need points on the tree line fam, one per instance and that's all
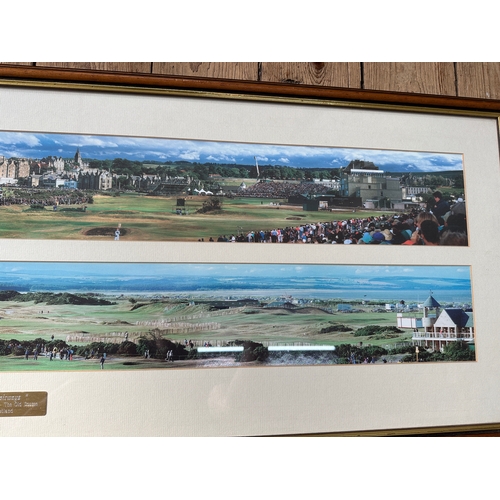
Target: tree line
(203, 171)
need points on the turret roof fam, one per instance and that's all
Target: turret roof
(431, 302)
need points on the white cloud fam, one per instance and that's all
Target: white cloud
(190, 155)
(93, 141)
(17, 138)
(221, 158)
(13, 153)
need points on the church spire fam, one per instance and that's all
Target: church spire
(78, 157)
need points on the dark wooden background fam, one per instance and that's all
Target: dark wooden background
(458, 79)
(476, 80)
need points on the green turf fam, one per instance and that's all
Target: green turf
(20, 364)
(150, 218)
(29, 321)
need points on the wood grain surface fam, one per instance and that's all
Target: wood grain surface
(330, 74)
(232, 71)
(127, 67)
(479, 80)
(422, 78)
(462, 79)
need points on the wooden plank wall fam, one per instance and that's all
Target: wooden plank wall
(460, 79)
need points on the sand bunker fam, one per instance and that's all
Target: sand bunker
(104, 231)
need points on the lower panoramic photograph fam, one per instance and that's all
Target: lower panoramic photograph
(119, 316)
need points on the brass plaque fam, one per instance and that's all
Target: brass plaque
(23, 404)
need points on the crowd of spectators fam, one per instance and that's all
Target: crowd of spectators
(283, 189)
(417, 227)
(46, 198)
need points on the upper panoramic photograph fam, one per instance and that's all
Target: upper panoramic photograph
(90, 187)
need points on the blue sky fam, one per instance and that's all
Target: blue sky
(61, 269)
(69, 275)
(36, 145)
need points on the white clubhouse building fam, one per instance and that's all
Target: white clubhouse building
(438, 327)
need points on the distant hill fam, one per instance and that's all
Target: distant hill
(50, 298)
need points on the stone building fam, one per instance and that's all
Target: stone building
(416, 192)
(364, 180)
(78, 161)
(172, 186)
(375, 188)
(105, 181)
(145, 182)
(14, 168)
(95, 181)
(57, 164)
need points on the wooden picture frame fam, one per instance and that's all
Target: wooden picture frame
(413, 399)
